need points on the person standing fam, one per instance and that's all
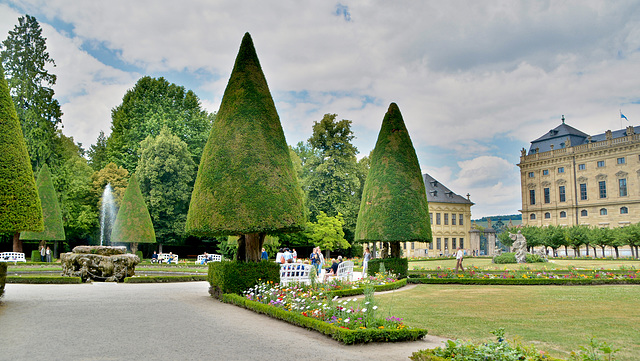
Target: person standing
(288, 257)
(459, 257)
(365, 262)
(48, 254)
(315, 260)
(265, 255)
(43, 253)
(295, 255)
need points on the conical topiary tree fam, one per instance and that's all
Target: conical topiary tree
(53, 226)
(394, 201)
(133, 223)
(246, 184)
(20, 208)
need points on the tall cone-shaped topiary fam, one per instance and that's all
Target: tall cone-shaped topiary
(133, 222)
(246, 184)
(53, 226)
(20, 208)
(394, 201)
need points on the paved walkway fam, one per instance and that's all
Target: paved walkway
(109, 321)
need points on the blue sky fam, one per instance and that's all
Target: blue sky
(475, 81)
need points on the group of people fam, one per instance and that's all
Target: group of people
(168, 259)
(45, 253)
(317, 259)
(284, 255)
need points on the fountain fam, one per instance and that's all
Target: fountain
(107, 215)
(101, 263)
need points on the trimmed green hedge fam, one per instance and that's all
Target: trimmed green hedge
(360, 291)
(427, 355)
(343, 335)
(3, 277)
(236, 277)
(398, 266)
(35, 256)
(26, 279)
(510, 257)
(524, 281)
(163, 279)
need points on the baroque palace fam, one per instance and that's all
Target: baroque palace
(572, 178)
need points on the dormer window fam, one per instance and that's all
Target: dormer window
(434, 193)
(434, 183)
(449, 194)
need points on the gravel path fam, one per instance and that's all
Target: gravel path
(109, 321)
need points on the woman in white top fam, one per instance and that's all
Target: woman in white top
(459, 256)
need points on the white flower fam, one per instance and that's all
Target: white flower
(348, 311)
(364, 310)
(375, 307)
(366, 303)
(347, 320)
(335, 298)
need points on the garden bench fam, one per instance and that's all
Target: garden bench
(211, 258)
(14, 257)
(164, 258)
(296, 273)
(344, 272)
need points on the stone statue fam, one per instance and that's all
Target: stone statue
(519, 246)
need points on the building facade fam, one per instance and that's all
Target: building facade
(571, 178)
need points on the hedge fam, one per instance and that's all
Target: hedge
(343, 335)
(398, 266)
(3, 277)
(236, 277)
(524, 281)
(163, 279)
(510, 257)
(58, 280)
(360, 291)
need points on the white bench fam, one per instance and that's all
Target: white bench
(296, 273)
(14, 257)
(202, 259)
(344, 272)
(164, 258)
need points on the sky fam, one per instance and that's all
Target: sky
(476, 81)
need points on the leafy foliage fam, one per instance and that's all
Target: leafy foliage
(166, 173)
(246, 182)
(53, 227)
(236, 277)
(20, 208)
(394, 201)
(327, 232)
(24, 57)
(111, 173)
(133, 222)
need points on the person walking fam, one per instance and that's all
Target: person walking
(265, 255)
(365, 262)
(459, 257)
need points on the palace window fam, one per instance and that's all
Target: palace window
(431, 245)
(583, 191)
(560, 169)
(620, 160)
(602, 189)
(583, 213)
(624, 210)
(603, 211)
(547, 215)
(561, 193)
(430, 217)
(438, 220)
(563, 214)
(545, 172)
(453, 219)
(532, 216)
(532, 196)
(547, 195)
(531, 174)
(622, 185)
(438, 243)
(461, 219)
(582, 166)
(461, 242)
(446, 219)
(600, 163)
(453, 243)
(446, 243)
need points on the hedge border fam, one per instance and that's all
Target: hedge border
(525, 281)
(346, 336)
(165, 279)
(44, 280)
(360, 291)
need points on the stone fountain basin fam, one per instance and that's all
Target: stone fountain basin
(99, 263)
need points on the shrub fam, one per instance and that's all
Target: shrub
(165, 279)
(236, 277)
(35, 256)
(3, 277)
(50, 280)
(360, 291)
(139, 254)
(510, 257)
(397, 266)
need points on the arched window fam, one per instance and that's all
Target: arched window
(624, 210)
(563, 214)
(547, 215)
(532, 216)
(583, 213)
(603, 211)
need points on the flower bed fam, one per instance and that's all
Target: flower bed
(531, 274)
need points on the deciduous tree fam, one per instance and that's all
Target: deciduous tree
(327, 233)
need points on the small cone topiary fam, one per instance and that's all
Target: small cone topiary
(133, 222)
(246, 184)
(20, 208)
(53, 226)
(394, 201)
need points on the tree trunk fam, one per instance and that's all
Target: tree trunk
(373, 250)
(566, 251)
(55, 249)
(595, 254)
(617, 254)
(134, 247)
(637, 256)
(327, 256)
(160, 248)
(17, 243)
(241, 253)
(253, 246)
(603, 255)
(576, 252)
(587, 249)
(395, 250)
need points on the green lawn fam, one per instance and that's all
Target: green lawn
(557, 319)
(485, 264)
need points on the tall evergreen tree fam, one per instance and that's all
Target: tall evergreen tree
(98, 157)
(20, 208)
(53, 227)
(394, 202)
(151, 105)
(246, 184)
(133, 223)
(24, 57)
